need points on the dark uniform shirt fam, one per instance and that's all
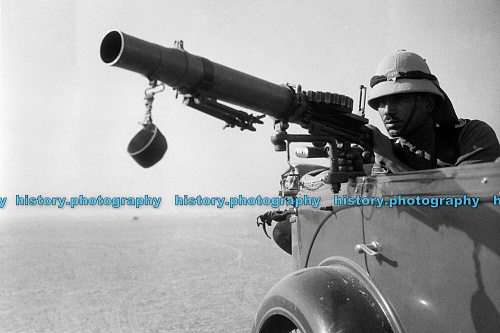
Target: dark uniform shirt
(477, 143)
(471, 141)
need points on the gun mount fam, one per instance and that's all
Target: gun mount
(327, 116)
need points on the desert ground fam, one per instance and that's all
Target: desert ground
(135, 274)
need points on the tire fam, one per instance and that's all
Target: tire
(279, 324)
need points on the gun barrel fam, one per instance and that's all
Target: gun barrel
(196, 75)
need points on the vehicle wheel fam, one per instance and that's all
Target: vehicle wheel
(279, 324)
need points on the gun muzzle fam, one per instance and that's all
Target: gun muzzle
(194, 75)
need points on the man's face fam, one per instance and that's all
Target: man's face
(396, 110)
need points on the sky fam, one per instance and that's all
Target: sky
(66, 117)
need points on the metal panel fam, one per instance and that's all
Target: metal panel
(438, 267)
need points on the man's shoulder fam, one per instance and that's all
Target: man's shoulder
(475, 125)
(477, 130)
(477, 142)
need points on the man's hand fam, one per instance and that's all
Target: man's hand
(350, 160)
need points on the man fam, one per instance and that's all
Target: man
(425, 130)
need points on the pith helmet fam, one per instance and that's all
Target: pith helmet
(402, 72)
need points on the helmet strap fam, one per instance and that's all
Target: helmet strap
(420, 153)
(407, 123)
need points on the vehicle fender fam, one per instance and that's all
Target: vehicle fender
(325, 298)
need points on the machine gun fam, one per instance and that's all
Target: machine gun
(202, 83)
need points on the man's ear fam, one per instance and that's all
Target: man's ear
(428, 101)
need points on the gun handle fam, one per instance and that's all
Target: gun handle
(367, 139)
